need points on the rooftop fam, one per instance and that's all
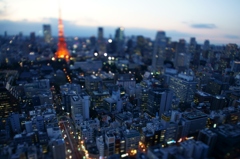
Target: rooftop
(194, 115)
(228, 130)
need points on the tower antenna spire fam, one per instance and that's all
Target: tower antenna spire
(59, 9)
(62, 51)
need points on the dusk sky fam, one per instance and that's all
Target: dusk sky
(216, 20)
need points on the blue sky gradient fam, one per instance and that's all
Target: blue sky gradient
(216, 20)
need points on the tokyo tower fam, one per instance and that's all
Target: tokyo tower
(62, 51)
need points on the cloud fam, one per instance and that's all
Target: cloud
(231, 36)
(203, 26)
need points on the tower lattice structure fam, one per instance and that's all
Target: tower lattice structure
(62, 51)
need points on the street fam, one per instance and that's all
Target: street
(72, 144)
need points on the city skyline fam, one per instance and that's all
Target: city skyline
(213, 20)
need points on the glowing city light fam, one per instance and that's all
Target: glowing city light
(109, 40)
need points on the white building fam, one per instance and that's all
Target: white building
(80, 105)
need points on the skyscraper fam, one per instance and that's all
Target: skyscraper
(47, 33)
(15, 122)
(159, 51)
(62, 51)
(58, 149)
(182, 60)
(209, 138)
(101, 44)
(192, 45)
(159, 101)
(231, 51)
(206, 45)
(8, 102)
(32, 37)
(80, 105)
(181, 46)
(119, 39)
(100, 33)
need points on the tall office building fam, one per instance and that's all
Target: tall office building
(195, 57)
(183, 86)
(15, 122)
(216, 87)
(80, 105)
(92, 83)
(206, 45)
(232, 51)
(47, 33)
(159, 101)
(58, 149)
(236, 66)
(228, 140)
(28, 126)
(218, 103)
(125, 80)
(32, 37)
(192, 45)
(119, 40)
(202, 97)
(100, 33)
(182, 60)
(181, 46)
(5, 34)
(132, 138)
(101, 43)
(110, 142)
(193, 122)
(100, 145)
(209, 138)
(144, 99)
(40, 123)
(194, 149)
(67, 91)
(8, 102)
(171, 132)
(159, 51)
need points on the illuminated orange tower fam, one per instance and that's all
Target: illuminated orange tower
(62, 51)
